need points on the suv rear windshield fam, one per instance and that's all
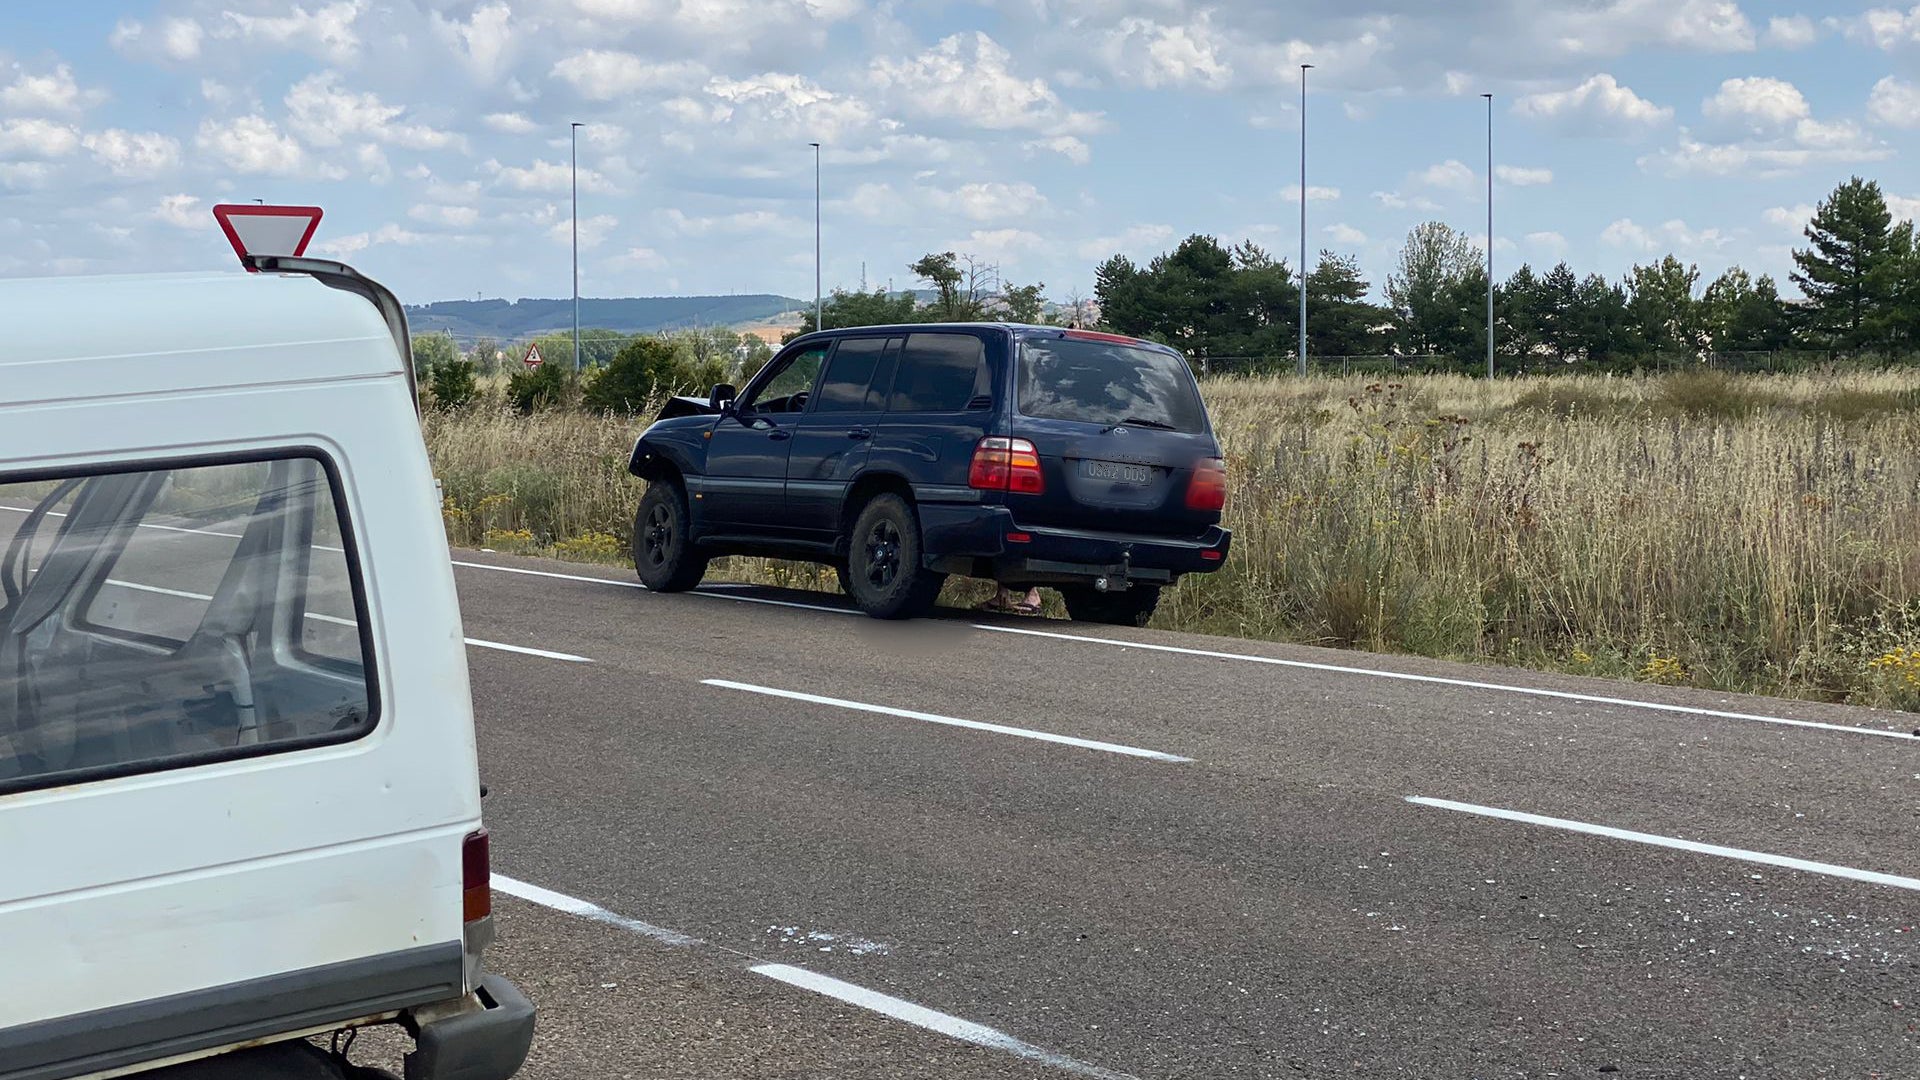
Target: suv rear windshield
(1102, 382)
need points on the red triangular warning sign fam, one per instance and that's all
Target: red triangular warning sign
(253, 229)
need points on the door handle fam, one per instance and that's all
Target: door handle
(779, 435)
(859, 433)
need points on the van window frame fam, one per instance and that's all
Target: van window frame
(356, 580)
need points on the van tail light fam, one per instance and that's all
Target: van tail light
(476, 876)
(1208, 488)
(1001, 464)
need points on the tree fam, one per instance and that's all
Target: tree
(843, 308)
(1024, 302)
(1597, 322)
(646, 366)
(1897, 324)
(452, 383)
(432, 350)
(1522, 306)
(1117, 289)
(1662, 310)
(1424, 290)
(1339, 320)
(963, 282)
(1841, 273)
(1555, 312)
(537, 389)
(1744, 315)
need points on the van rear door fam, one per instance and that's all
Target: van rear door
(1120, 430)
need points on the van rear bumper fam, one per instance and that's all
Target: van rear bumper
(975, 540)
(486, 1039)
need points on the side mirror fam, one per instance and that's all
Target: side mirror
(721, 397)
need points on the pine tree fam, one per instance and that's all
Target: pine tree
(1896, 326)
(1841, 273)
(1339, 320)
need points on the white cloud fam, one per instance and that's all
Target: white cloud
(1394, 200)
(966, 79)
(373, 163)
(1548, 241)
(176, 39)
(1000, 245)
(25, 175)
(481, 42)
(608, 75)
(326, 32)
(1599, 106)
(455, 217)
(55, 92)
(1342, 233)
(34, 138)
(1760, 105)
(1903, 208)
(1137, 242)
(545, 176)
(1791, 32)
(1895, 103)
(1885, 28)
(992, 201)
(250, 144)
(1073, 149)
(780, 104)
(1451, 175)
(1673, 235)
(390, 233)
(133, 154)
(1518, 176)
(1147, 53)
(640, 258)
(326, 115)
(510, 123)
(1315, 193)
(1791, 218)
(744, 222)
(181, 212)
(593, 230)
(216, 93)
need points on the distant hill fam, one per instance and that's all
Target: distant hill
(511, 320)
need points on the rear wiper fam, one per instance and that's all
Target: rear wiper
(1141, 421)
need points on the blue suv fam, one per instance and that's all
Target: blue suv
(1029, 455)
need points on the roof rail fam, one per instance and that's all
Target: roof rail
(339, 275)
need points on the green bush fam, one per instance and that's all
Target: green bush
(643, 368)
(452, 383)
(539, 389)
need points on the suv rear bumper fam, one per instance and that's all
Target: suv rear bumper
(974, 540)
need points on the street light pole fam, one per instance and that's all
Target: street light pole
(574, 131)
(818, 311)
(1304, 68)
(1489, 98)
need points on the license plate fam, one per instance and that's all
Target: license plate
(1118, 472)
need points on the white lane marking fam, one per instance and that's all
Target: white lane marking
(336, 620)
(860, 996)
(576, 906)
(922, 1017)
(932, 718)
(1562, 695)
(1829, 869)
(636, 585)
(503, 647)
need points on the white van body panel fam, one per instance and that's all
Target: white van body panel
(177, 882)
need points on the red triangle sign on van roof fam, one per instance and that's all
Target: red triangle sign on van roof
(254, 229)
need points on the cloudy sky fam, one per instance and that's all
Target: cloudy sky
(1041, 135)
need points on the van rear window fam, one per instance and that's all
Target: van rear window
(161, 618)
(1106, 383)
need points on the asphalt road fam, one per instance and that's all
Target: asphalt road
(1230, 881)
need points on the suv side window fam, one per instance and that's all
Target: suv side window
(940, 373)
(172, 616)
(849, 374)
(790, 387)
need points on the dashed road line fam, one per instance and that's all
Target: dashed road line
(951, 721)
(1763, 858)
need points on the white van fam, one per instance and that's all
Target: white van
(239, 801)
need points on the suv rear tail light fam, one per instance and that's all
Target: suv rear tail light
(1001, 464)
(476, 876)
(1208, 488)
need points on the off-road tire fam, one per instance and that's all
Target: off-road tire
(884, 575)
(1133, 607)
(663, 551)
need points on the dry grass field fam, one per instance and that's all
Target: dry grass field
(1740, 532)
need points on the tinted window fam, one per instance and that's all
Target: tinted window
(940, 373)
(787, 390)
(848, 375)
(160, 618)
(1107, 383)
